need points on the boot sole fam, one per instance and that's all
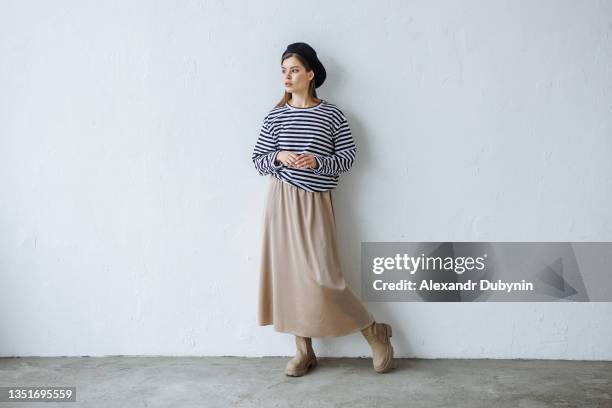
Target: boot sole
(298, 373)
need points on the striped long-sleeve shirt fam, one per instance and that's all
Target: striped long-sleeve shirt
(321, 130)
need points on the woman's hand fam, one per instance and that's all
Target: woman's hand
(306, 161)
(287, 158)
(297, 161)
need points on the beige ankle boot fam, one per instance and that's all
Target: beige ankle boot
(378, 336)
(304, 359)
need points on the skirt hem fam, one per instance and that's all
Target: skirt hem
(323, 335)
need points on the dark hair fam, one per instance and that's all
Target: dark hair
(312, 90)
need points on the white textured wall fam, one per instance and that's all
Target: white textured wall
(130, 212)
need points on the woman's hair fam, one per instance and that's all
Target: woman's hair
(312, 89)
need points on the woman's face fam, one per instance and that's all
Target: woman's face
(294, 75)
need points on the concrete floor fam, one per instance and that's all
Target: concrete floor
(336, 382)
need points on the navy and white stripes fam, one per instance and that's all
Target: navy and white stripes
(321, 130)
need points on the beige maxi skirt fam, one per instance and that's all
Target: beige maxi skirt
(302, 288)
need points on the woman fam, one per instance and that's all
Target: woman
(305, 143)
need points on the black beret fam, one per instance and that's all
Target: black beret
(309, 55)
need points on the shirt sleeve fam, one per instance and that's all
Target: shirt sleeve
(265, 151)
(344, 151)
